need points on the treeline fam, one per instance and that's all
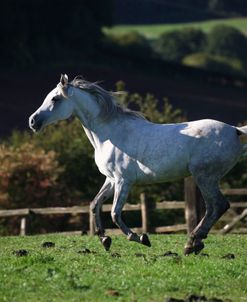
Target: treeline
(152, 11)
(222, 50)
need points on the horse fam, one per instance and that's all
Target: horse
(130, 150)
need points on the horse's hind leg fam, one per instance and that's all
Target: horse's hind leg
(105, 192)
(216, 206)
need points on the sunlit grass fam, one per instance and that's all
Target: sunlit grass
(154, 30)
(129, 272)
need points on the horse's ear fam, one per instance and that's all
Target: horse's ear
(64, 80)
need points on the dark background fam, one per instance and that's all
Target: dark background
(41, 39)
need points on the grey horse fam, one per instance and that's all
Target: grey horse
(131, 150)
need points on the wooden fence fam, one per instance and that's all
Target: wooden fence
(192, 205)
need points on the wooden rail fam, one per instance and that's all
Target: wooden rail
(192, 207)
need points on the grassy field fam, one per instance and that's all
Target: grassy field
(154, 30)
(129, 272)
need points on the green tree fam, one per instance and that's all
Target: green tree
(174, 45)
(228, 42)
(131, 44)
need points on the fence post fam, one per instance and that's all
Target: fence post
(144, 213)
(23, 226)
(91, 222)
(194, 205)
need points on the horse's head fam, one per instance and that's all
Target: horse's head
(56, 106)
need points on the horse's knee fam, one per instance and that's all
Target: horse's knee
(93, 206)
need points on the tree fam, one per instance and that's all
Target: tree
(228, 42)
(174, 45)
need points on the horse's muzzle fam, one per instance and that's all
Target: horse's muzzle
(35, 123)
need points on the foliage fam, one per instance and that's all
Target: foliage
(28, 176)
(131, 44)
(153, 31)
(129, 272)
(218, 45)
(174, 45)
(74, 153)
(157, 111)
(214, 63)
(228, 42)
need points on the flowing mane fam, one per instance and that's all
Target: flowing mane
(106, 99)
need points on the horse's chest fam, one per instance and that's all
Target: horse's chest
(113, 163)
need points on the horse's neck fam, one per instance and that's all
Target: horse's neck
(86, 111)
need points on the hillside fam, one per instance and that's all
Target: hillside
(152, 31)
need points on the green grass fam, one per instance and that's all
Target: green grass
(62, 274)
(154, 30)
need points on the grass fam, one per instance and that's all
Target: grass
(130, 272)
(154, 30)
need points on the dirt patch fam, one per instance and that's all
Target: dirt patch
(112, 292)
(86, 251)
(194, 298)
(170, 254)
(20, 253)
(48, 244)
(228, 256)
(115, 255)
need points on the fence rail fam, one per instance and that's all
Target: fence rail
(192, 206)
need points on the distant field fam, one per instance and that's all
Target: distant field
(78, 269)
(154, 30)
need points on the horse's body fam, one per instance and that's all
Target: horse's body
(131, 150)
(164, 152)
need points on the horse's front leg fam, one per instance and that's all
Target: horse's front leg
(121, 192)
(105, 192)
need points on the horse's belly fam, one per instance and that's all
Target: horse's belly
(162, 171)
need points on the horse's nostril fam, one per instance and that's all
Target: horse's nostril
(32, 121)
(35, 123)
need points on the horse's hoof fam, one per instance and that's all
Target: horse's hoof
(195, 248)
(106, 241)
(198, 247)
(188, 250)
(144, 240)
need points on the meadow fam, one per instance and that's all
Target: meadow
(76, 268)
(153, 31)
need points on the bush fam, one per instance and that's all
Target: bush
(28, 177)
(214, 63)
(132, 44)
(74, 153)
(228, 42)
(174, 45)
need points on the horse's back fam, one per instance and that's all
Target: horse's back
(170, 150)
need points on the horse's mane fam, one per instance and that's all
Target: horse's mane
(106, 99)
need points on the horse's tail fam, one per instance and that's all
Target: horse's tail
(242, 130)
